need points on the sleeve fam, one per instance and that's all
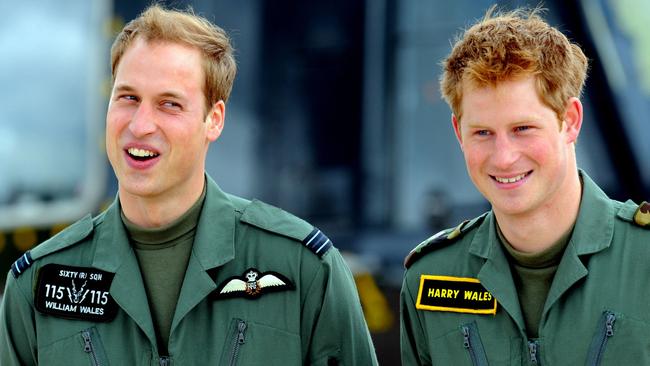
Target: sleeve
(412, 338)
(17, 330)
(333, 322)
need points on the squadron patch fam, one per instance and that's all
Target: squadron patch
(455, 294)
(642, 215)
(252, 284)
(75, 293)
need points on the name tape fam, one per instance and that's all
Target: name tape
(454, 294)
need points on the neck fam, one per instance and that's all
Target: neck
(159, 210)
(536, 231)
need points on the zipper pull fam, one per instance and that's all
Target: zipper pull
(164, 361)
(242, 330)
(609, 325)
(532, 350)
(88, 347)
(466, 337)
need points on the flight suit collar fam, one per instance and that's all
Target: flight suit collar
(214, 243)
(593, 230)
(594, 227)
(113, 253)
(495, 274)
(592, 233)
(111, 240)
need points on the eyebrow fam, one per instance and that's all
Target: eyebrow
(123, 87)
(167, 94)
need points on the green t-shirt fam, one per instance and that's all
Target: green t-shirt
(163, 254)
(533, 275)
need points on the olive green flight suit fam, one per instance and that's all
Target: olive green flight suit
(308, 312)
(597, 311)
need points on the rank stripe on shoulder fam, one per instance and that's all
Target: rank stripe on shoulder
(317, 242)
(20, 265)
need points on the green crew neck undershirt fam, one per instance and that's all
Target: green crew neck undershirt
(163, 254)
(533, 275)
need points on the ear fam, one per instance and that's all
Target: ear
(573, 119)
(456, 123)
(215, 120)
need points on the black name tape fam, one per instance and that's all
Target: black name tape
(75, 293)
(455, 294)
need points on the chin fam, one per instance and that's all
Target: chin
(513, 210)
(137, 188)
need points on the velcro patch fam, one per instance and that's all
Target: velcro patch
(455, 294)
(75, 293)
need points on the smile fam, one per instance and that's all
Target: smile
(511, 179)
(141, 154)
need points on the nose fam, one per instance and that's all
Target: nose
(142, 121)
(506, 152)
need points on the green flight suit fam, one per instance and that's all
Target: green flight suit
(307, 312)
(597, 310)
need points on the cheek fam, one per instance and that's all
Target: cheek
(543, 151)
(115, 121)
(189, 140)
(474, 157)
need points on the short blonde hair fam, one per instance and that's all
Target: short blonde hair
(507, 46)
(184, 27)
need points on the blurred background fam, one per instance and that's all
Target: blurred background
(335, 116)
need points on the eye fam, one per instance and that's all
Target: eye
(171, 105)
(522, 128)
(482, 133)
(127, 97)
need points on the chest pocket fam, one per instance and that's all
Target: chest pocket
(619, 340)
(81, 349)
(250, 343)
(468, 344)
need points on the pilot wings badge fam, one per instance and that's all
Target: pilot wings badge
(252, 284)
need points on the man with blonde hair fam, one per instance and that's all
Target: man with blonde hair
(553, 274)
(176, 271)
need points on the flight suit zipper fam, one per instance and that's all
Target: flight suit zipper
(532, 352)
(238, 340)
(472, 343)
(605, 331)
(89, 348)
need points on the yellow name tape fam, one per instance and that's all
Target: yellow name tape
(455, 294)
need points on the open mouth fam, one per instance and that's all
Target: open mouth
(514, 179)
(141, 154)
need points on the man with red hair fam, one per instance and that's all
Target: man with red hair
(553, 273)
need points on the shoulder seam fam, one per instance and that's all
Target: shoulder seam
(444, 238)
(279, 222)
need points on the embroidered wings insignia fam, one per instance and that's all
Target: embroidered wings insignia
(252, 284)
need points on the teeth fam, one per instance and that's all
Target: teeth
(510, 180)
(141, 153)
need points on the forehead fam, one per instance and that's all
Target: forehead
(508, 98)
(157, 61)
(505, 89)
